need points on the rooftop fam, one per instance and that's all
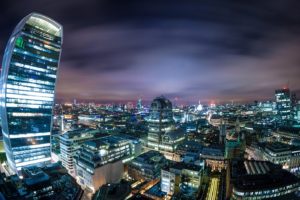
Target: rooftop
(107, 142)
(174, 134)
(270, 180)
(260, 175)
(182, 166)
(81, 133)
(150, 157)
(161, 103)
(278, 147)
(45, 24)
(117, 191)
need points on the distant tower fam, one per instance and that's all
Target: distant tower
(185, 117)
(222, 130)
(75, 102)
(139, 105)
(237, 126)
(199, 107)
(129, 105)
(283, 103)
(28, 78)
(294, 99)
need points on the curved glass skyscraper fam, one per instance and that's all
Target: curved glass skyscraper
(28, 79)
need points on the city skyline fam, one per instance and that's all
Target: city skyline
(150, 100)
(208, 51)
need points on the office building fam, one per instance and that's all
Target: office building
(171, 140)
(139, 105)
(71, 141)
(160, 121)
(283, 103)
(147, 166)
(297, 112)
(235, 142)
(214, 157)
(287, 156)
(29, 69)
(222, 134)
(262, 180)
(178, 174)
(100, 161)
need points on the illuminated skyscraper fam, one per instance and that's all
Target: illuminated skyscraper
(139, 105)
(160, 121)
(283, 103)
(28, 80)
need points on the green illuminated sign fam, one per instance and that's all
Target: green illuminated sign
(20, 42)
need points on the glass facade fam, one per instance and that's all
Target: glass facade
(28, 80)
(283, 103)
(160, 121)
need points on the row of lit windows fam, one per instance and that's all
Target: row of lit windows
(34, 55)
(23, 88)
(24, 148)
(33, 62)
(40, 69)
(15, 105)
(40, 42)
(26, 101)
(29, 93)
(46, 43)
(20, 151)
(15, 84)
(39, 48)
(30, 72)
(32, 157)
(276, 192)
(24, 45)
(30, 80)
(21, 114)
(28, 97)
(33, 162)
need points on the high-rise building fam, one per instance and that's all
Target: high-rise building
(160, 121)
(100, 161)
(222, 134)
(139, 105)
(297, 112)
(71, 141)
(283, 103)
(28, 80)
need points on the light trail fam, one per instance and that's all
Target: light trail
(213, 189)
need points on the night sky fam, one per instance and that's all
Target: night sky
(193, 50)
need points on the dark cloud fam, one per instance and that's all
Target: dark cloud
(208, 50)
